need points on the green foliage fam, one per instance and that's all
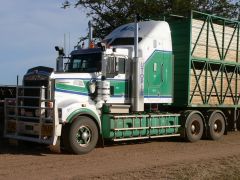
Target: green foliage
(106, 15)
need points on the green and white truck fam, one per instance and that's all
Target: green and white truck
(148, 79)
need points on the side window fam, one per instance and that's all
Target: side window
(115, 66)
(84, 64)
(111, 65)
(76, 64)
(121, 65)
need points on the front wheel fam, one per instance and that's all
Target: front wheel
(82, 135)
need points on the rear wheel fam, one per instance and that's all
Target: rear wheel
(82, 136)
(216, 126)
(194, 127)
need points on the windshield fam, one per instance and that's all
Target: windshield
(85, 63)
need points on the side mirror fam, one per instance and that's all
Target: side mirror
(59, 60)
(60, 50)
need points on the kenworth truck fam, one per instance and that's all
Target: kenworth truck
(149, 79)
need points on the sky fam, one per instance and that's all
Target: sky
(29, 31)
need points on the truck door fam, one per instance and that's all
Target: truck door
(119, 81)
(158, 82)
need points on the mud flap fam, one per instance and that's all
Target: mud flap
(57, 134)
(56, 148)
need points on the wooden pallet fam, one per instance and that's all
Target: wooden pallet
(222, 41)
(206, 87)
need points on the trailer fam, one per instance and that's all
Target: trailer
(207, 66)
(145, 80)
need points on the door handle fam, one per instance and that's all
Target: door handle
(162, 72)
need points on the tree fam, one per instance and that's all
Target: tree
(106, 15)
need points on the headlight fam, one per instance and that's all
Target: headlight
(50, 104)
(38, 112)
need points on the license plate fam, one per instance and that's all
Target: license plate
(47, 130)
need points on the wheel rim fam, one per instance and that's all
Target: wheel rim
(195, 127)
(83, 136)
(217, 126)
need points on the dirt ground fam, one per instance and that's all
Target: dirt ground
(161, 159)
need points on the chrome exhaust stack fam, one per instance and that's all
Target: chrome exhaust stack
(90, 35)
(138, 74)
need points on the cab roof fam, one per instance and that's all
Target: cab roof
(86, 51)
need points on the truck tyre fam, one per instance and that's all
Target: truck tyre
(194, 127)
(83, 135)
(216, 127)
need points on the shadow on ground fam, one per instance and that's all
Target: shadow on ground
(20, 147)
(30, 148)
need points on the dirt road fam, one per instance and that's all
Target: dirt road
(162, 159)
